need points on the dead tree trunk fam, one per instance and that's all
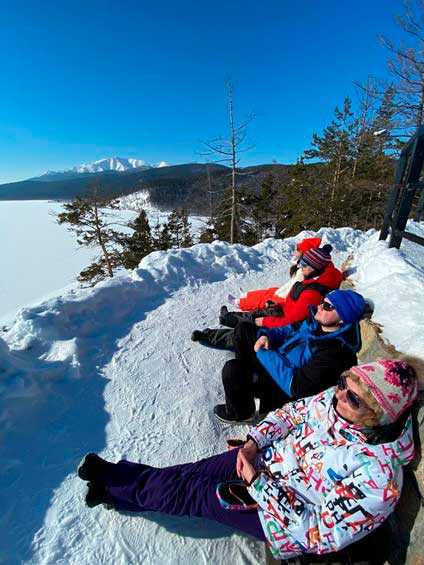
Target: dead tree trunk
(233, 168)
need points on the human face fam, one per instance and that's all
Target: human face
(307, 270)
(297, 253)
(327, 318)
(351, 404)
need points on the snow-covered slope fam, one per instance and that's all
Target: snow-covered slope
(113, 370)
(108, 164)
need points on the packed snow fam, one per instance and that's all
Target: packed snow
(113, 370)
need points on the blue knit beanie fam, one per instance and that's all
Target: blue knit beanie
(349, 305)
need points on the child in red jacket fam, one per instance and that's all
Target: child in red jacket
(264, 298)
(320, 276)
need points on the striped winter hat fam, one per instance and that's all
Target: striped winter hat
(317, 258)
(393, 384)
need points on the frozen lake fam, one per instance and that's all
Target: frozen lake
(38, 257)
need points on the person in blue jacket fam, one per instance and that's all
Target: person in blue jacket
(290, 362)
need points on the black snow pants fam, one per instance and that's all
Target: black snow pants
(224, 338)
(244, 378)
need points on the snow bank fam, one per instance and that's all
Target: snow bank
(393, 279)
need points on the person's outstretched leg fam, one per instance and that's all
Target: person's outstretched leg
(256, 299)
(100, 473)
(232, 318)
(220, 339)
(94, 468)
(185, 490)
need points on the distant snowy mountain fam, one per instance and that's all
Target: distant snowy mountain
(119, 164)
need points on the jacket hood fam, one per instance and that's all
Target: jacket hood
(348, 334)
(399, 450)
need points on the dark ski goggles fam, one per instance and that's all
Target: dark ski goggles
(352, 398)
(327, 306)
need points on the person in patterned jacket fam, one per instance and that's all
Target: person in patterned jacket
(322, 472)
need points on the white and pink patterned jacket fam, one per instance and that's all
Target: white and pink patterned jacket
(320, 485)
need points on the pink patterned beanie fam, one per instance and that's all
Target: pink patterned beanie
(392, 383)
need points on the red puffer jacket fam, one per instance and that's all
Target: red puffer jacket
(304, 294)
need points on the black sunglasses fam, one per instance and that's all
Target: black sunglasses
(327, 306)
(352, 398)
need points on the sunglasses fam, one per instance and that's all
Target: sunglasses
(352, 398)
(303, 263)
(327, 306)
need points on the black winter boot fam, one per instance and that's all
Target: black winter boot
(96, 495)
(231, 319)
(198, 335)
(224, 414)
(93, 467)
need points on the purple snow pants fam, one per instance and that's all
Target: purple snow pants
(181, 490)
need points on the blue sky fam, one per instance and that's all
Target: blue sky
(86, 80)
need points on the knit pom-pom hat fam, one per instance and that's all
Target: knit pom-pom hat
(309, 243)
(393, 384)
(317, 258)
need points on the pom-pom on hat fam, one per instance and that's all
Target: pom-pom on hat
(349, 305)
(309, 243)
(317, 258)
(393, 384)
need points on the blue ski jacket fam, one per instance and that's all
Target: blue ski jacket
(303, 360)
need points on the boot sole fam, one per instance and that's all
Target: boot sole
(249, 420)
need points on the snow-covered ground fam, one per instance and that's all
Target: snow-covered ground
(112, 370)
(39, 257)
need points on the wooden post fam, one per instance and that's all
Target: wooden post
(408, 193)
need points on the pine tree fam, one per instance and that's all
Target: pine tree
(89, 219)
(139, 243)
(258, 212)
(161, 237)
(187, 239)
(386, 145)
(208, 234)
(179, 229)
(303, 202)
(335, 147)
(222, 221)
